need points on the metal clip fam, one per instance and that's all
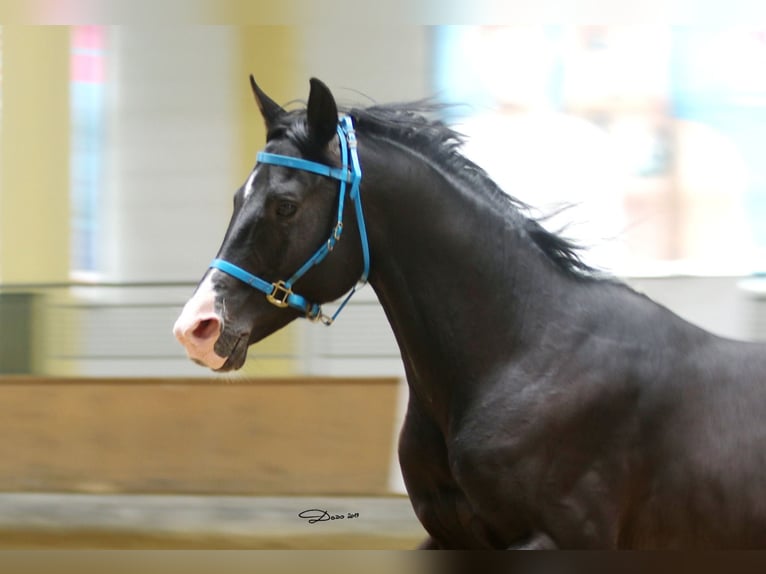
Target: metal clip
(338, 231)
(335, 237)
(279, 295)
(320, 317)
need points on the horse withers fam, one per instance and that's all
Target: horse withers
(550, 406)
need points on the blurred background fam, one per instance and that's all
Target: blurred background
(121, 148)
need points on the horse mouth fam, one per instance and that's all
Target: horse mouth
(234, 348)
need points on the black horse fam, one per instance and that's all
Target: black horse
(550, 407)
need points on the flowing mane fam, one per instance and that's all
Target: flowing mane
(411, 125)
(416, 126)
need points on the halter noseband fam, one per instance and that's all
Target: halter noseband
(280, 293)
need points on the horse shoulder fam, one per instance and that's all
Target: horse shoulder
(438, 501)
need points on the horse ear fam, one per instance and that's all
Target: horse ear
(322, 114)
(270, 110)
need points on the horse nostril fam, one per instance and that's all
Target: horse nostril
(206, 329)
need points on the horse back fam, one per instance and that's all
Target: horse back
(648, 428)
(701, 432)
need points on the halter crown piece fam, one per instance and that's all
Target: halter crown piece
(280, 293)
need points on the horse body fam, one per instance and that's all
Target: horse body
(549, 408)
(603, 443)
(591, 417)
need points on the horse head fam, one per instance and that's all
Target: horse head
(276, 263)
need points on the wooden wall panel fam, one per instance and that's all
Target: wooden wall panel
(266, 436)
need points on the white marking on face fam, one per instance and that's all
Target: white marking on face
(199, 326)
(249, 183)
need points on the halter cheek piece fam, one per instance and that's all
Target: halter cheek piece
(280, 293)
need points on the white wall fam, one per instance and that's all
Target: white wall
(387, 63)
(731, 307)
(170, 150)
(170, 154)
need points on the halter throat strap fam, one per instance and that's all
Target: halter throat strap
(280, 293)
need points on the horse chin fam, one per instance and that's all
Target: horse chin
(235, 351)
(234, 341)
(234, 362)
(211, 361)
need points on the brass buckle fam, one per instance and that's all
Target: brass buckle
(279, 295)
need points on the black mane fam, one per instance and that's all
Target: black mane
(416, 126)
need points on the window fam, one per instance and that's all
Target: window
(87, 115)
(652, 134)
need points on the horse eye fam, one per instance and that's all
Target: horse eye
(286, 208)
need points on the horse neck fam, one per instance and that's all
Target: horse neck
(460, 281)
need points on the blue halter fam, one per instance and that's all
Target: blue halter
(280, 293)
